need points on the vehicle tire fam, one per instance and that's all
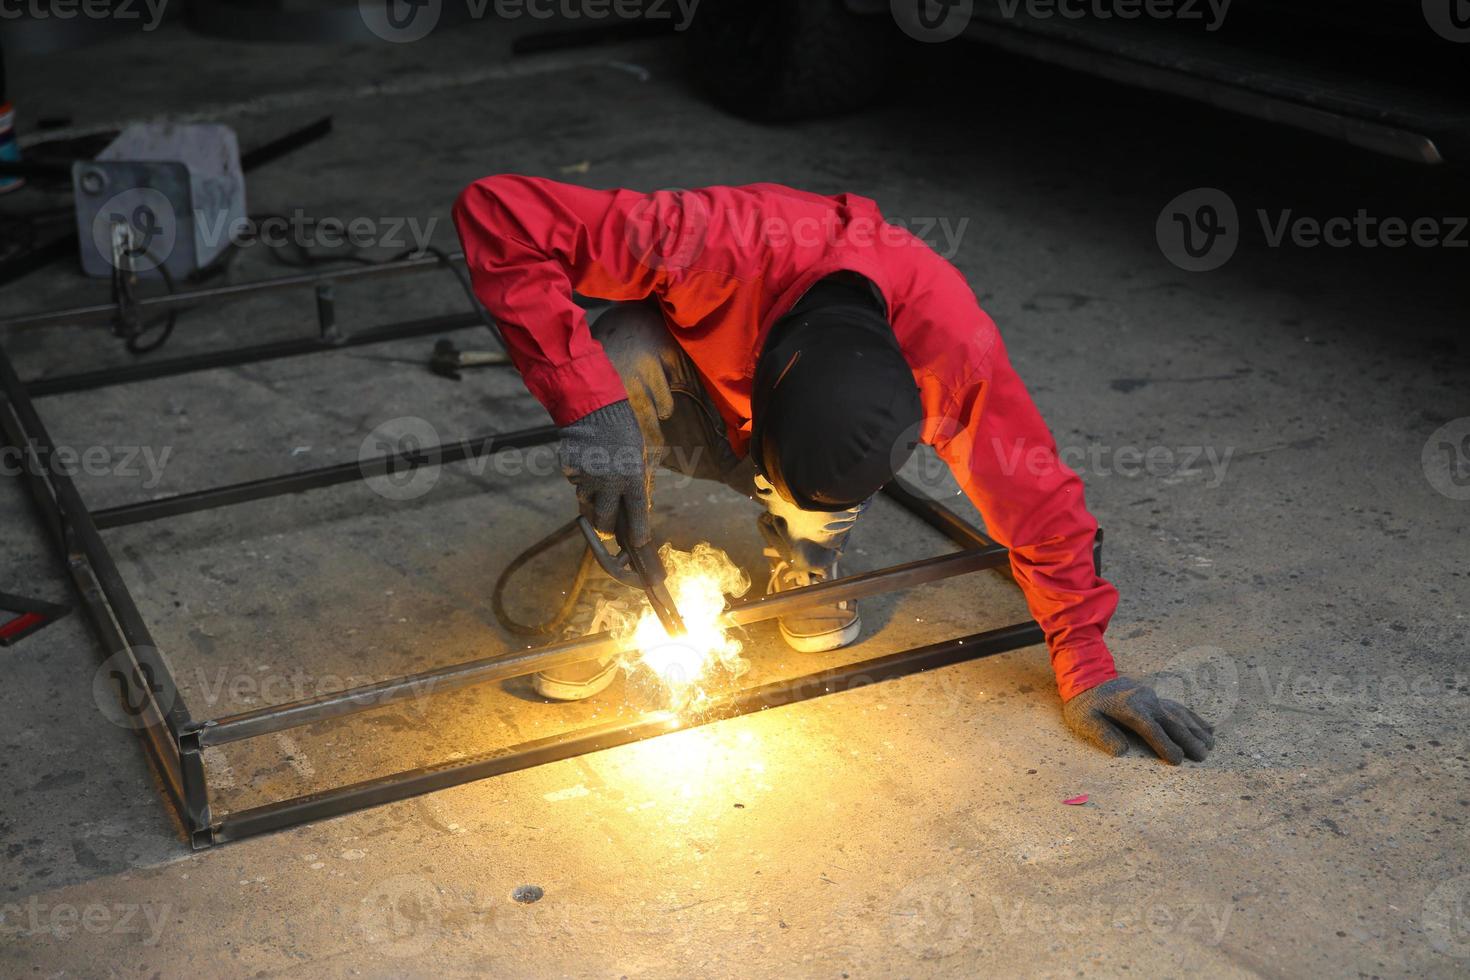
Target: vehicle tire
(779, 60)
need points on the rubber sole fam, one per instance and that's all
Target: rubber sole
(822, 642)
(561, 690)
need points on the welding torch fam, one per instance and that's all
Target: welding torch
(638, 567)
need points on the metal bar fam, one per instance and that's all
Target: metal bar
(937, 516)
(167, 301)
(294, 714)
(150, 370)
(414, 782)
(326, 476)
(102, 589)
(282, 145)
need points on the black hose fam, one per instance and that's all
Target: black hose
(559, 618)
(164, 324)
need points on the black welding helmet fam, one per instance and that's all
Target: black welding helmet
(835, 411)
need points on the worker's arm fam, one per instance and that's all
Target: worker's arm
(529, 243)
(1006, 460)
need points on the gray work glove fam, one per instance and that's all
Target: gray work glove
(1102, 714)
(602, 453)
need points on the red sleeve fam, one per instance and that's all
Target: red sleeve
(529, 243)
(1006, 461)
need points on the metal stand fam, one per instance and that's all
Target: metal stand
(175, 738)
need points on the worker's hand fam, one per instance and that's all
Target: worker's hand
(1102, 714)
(602, 453)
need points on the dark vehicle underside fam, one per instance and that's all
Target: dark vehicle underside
(1387, 76)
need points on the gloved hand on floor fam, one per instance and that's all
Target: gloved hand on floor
(602, 453)
(1101, 714)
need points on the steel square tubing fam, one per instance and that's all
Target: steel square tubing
(314, 479)
(170, 367)
(175, 742)
(413, 782)
(168, 301)
(294, 714)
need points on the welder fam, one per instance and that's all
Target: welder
(796, 347)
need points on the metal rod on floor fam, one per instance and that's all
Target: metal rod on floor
(254, 354)
(263, 721)
(327, 476)
(414, 782)
(170, 301)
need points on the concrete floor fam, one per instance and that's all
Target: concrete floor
(1309, 593)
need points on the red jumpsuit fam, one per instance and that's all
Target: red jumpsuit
(724, 263)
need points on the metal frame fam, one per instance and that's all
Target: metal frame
(175, 738)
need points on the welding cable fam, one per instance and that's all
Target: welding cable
(132, 338)
(579, 582)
